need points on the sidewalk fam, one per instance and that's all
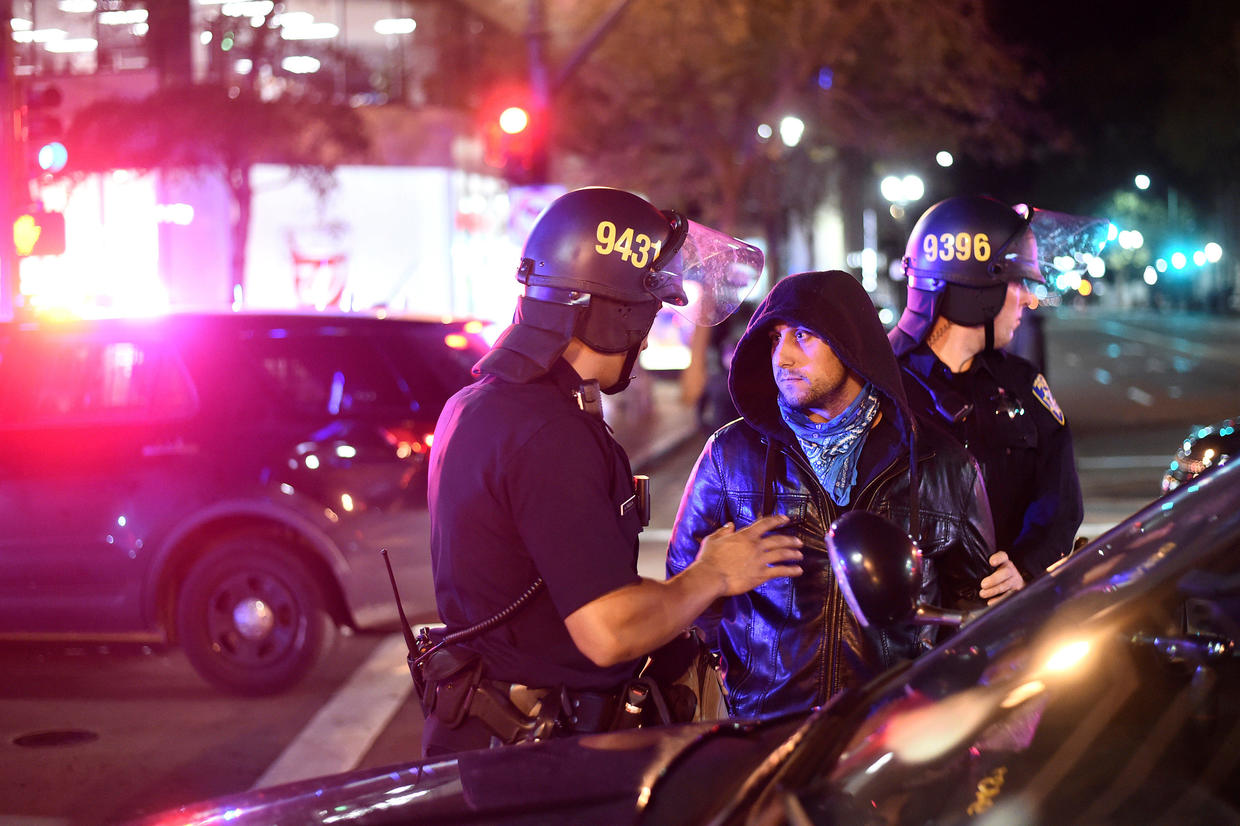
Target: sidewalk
(650, 421)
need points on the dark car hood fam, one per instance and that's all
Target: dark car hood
(602, 778)
(1101, 693)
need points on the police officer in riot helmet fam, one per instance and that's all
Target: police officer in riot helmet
(972, 265)
(534, 513)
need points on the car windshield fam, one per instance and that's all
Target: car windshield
(1105, 692)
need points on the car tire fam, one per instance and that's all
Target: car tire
(251, 617)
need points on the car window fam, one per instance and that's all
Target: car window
(330, 373)
(435, 362)
(94, 381)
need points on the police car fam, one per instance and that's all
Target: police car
(219, 481)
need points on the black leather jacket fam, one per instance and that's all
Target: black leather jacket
(791, 644)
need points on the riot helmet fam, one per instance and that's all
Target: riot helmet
(598, 265)
(968, 249)
(964, 251)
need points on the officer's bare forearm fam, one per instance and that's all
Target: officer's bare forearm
(636, 619)
(632, 621)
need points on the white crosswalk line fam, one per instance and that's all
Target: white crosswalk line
(347, 725)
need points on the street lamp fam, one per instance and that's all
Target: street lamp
(900, 192)
(903, 190)
(791, 129)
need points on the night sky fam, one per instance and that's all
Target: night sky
(1118, 73)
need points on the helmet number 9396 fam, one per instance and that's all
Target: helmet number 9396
(636, 248)
(958, 247)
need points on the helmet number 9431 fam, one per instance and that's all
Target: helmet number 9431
(958, 247)
(637, 249)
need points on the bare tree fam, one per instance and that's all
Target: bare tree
(671, 100)
(210, 130)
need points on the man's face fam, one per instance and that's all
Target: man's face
(1008, 319)
(808, 374)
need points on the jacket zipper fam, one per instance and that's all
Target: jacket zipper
(833, 607)
(830, 630)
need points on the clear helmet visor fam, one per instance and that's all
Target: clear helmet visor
(708, 276)
(1061, 243)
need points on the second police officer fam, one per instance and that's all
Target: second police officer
(534, 513)
(971, 264)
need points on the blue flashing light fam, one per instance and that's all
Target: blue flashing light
(826, 78)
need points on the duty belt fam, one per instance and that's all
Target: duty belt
(519, 712)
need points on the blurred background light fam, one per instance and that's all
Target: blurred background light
(72, 45)
(300, 64)
(310, 31)
(248, 8)
(791, 130)
(902, 190)
(395, 25)
(122, 18)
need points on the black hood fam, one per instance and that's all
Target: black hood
(836, 308)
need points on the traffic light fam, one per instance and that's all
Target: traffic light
(43, 131)
(515, 133)
(39, 233)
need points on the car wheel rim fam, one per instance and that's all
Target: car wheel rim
(253, 619)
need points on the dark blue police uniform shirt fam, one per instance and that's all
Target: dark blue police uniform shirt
(1021, 440)
(523, 484)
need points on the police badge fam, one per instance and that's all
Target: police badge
(1043, 392)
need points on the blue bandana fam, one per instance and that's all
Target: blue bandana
(833, 446)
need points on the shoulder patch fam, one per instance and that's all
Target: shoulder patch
(1043, 391)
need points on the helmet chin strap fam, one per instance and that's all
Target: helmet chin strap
(990, 335)
(626, 372)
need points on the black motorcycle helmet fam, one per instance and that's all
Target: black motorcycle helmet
(960, 257)
(591, 267)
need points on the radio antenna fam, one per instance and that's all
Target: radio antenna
(400, 609)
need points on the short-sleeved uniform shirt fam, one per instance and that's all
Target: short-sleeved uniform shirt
(1020, 438)
(524, 483)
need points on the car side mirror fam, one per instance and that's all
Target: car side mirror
(878, 568)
